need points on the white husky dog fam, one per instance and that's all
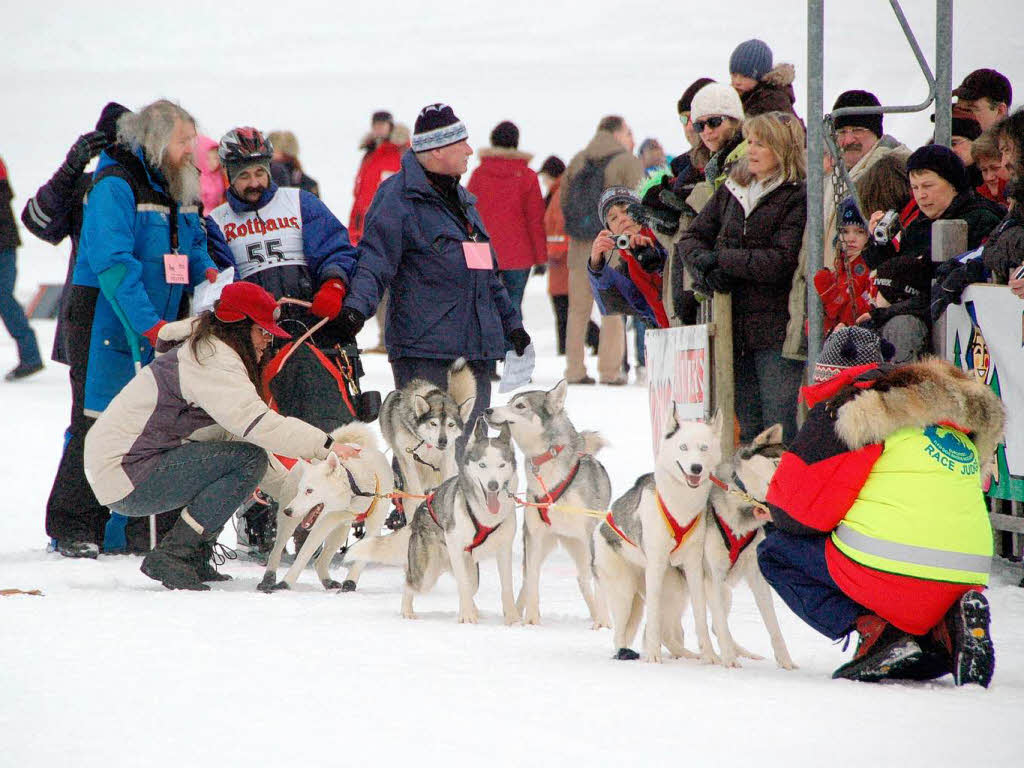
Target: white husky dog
(659, 526)
(469, 518)
(730, 547)
(561, 469)
(330, 495)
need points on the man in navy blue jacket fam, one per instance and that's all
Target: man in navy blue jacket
(425, 241)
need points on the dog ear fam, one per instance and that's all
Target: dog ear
(420, 405)
(716, 423)
(505, 433)
(555, 400)
(466, 408)
(480, 429)
(672, 420)
(771, 436)
(333, 461)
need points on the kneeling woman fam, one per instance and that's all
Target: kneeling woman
(192, 430)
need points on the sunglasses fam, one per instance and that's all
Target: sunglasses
(684, 118)
(711, 122)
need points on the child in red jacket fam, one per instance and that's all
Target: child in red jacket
(845, 291)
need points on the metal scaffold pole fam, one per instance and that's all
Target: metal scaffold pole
(815, 173)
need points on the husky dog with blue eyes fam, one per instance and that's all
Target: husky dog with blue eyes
(649, 552)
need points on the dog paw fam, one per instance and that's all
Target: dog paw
(512, 617)
(348, 586)
(279, 587)
(601, 624)
(709, 657)
(744, 653)
(331, 584)
(467, 619)
(626, 654)
(531, 618)
(653, 658)
(786, 664)
(409, 615)
(731, 661)
(267, 583)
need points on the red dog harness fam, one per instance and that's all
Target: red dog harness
(679, 532)
(735, 544)
(482, 531)
(550, 497)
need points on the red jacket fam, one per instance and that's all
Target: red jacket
(558, 243)
(845, 293)
(821, 476)
(384, 161)
(509, 200)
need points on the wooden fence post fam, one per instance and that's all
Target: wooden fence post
(722, 381)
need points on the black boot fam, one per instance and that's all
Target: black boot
(207, 558)
(974, 658)
(172, 562)
(884, 651)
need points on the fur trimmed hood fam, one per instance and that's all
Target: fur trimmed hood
(505, 153)
(780, 76)
(930, 392)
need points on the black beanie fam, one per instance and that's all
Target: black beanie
(686, 100)
(437, 127)
(943, 161)
(505, 134)
(108, 119)
(859, 99)
(553, 167)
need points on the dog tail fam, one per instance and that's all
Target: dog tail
(592, 441)
(357, 433)
(392, 549)
(461, 381)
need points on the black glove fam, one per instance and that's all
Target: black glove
(704, 261)
(951, 282)
(349, 322)
(520, 340)
(539, 269)
(85, 148)
(718, 281)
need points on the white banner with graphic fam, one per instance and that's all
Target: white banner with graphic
(985, 337)
(679, 371)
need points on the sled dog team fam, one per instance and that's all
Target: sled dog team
(674, 536)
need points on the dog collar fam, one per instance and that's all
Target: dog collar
(536, 462)
(679, 532)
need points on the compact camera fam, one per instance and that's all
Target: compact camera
(886, 228)
(621, 242)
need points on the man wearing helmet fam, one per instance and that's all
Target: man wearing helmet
(281, 238)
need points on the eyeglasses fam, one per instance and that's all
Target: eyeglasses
(684, 118)
(266, 334)
(710, 122)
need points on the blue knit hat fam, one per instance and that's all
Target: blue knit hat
(752, 58)
(849, 214)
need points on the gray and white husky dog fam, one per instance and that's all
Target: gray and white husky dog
(656, 530)
(730, 546)
(421, 422)
(561, 468)
(469, 518)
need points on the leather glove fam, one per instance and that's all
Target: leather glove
(520, 340)
(349, 322)
(85, 148)
(327, 301)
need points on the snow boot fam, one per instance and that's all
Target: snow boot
(172, 562)
(883, 651)
(78, 549)
(974, 656)
(207, 558)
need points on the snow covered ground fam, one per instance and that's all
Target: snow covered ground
(108, 668)
(112, 669)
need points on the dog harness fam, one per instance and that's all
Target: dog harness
(735, 544)
(611, 524)
(482, 531)
(538, 461)
(416, 456)
(679, 532)
(550, 497)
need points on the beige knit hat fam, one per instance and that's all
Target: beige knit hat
(716, 99)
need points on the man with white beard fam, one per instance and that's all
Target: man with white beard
(143, 243)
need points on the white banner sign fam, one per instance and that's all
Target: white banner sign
(678, 371)
(985, 337)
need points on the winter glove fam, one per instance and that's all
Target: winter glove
(539, 269)
(327, 302)
(211, 275)
(85, 148)
(520, 340)
(152, 333)
(349, 322)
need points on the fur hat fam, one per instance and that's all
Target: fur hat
(716, 99)
(943, 161)
(859, 99)
(505, 134)
(751, 58)
(850, 347)
(615, 196)
(437, 127)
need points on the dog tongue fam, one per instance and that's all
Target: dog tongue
(493, 505)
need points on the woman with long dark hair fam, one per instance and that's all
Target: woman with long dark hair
(192, 430)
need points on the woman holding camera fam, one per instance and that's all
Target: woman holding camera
(192, 430)
(747, 241)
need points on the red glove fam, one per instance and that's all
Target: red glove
(211, 274)
(327, 302)
(151, 334)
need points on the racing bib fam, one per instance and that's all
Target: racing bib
(264, 239)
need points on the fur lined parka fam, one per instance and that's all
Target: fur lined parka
(773, 93)
(836, 463)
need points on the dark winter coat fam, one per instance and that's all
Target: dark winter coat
(9, 239)
(288, 173)
(509, 200)
(55, 212)
(1004, 251)
(413, 244)
(915, 265)
(773, 93)
(125, 234)
(759, 250)
(831, 461)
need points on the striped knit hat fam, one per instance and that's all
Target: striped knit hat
(850, 347)
(437, 127)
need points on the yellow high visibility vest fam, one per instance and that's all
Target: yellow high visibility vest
(922, 512)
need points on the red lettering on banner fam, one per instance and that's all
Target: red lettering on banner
(258, 226)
